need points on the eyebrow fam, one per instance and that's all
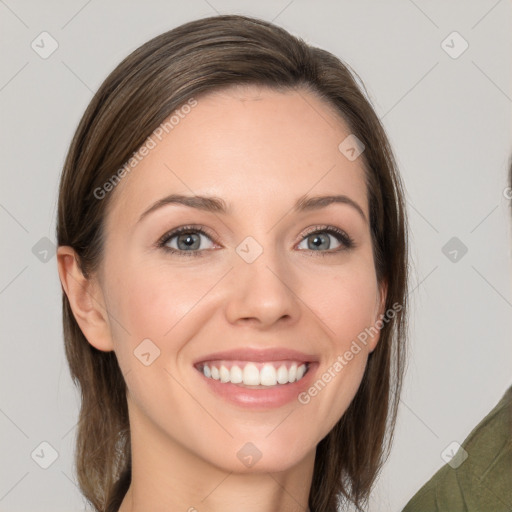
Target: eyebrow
(218, 205)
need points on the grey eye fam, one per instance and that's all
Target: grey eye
(319, 240)
(190, 241)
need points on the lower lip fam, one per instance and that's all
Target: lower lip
(261, 398)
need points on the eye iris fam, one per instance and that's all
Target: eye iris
(318, 239)
(189, 241)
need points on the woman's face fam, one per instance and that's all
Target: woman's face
(256, 292)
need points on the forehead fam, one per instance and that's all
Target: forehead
(255, 147)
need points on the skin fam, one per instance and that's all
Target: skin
(259, 150)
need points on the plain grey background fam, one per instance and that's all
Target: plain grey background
(448, 115)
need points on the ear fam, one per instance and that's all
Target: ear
(85, 299)
(380, 310)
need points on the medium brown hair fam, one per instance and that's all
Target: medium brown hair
(140, 94)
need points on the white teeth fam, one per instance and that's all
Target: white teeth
(268, 375)
(224, 374)
(282, 374)
(251, 375)
(236, 375)
(292, 373)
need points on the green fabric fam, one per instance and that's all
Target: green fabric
(483, 482)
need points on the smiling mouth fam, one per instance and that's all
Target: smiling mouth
(256, 375)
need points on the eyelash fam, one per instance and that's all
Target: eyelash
(341, 236)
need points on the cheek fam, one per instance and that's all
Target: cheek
(346, 302)
(158, 303)
(156, 306)
(153, 301)
(347, 305)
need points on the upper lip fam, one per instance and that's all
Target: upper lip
(259, 355)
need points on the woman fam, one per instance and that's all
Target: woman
(232, 253)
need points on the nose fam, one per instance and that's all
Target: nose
(262, 292)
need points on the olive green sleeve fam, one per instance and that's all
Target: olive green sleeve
(483, 482)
